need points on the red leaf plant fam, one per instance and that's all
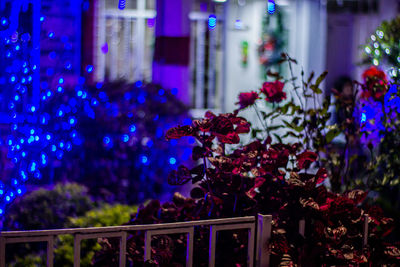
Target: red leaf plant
(234, 180)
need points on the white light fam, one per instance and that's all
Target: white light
(376, 45)
(373, 38)
(387, 50)
(367, 50)
(376, 62)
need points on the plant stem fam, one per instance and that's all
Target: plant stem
(263, 123)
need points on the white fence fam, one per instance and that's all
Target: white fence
(259, 234)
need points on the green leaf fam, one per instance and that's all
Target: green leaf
(290, 133)
(311, 77)
(331, 135)
(321, 78)
(294, 127)
(275, 127)
(278, 137)
(315, 89)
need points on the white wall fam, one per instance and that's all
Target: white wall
(239, 78)
(307, 43)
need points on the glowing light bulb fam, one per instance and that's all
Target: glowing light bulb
(212, 22)
(121, 4)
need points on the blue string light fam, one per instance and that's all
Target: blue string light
(271, 7)
(212, 22)
(48, 134)
(121, 4)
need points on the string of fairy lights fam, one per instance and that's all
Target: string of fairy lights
(36, 135)
(39, 134)
(380, 52)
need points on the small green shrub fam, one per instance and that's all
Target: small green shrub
(48, 208)
(107, 215)
(30, 260)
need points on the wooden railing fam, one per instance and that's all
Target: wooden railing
(259, 234)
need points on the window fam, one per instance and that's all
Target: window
(206, 59)
(125, 40)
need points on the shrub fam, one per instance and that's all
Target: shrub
(48, 208)
(106, 215)
(117, 126)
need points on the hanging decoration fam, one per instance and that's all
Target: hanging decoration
(245, 53)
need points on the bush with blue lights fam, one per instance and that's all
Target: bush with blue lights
(124, 156)
(109, 137)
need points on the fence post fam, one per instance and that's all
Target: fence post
(77, 250)
(147, 246)
(2, 252)
(212, 246)
(189, 250)
(264, 227)
(122, 249)
(302, 227)
(365, 231)
(50, 251)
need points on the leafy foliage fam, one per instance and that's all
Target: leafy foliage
(62, 196)
(48, 208)
(268, 178)
(119, 125)
(106, 215)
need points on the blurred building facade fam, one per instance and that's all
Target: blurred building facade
(209, 50)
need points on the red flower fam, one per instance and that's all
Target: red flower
(375, 83)
(374, 72)
(305, 159)
(274, 91)
(247, 99)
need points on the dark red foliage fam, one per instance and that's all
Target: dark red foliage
(321, 175)
(178, 132)
(305, 159)
(273, 91)
(262, 177)
(180, 176)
